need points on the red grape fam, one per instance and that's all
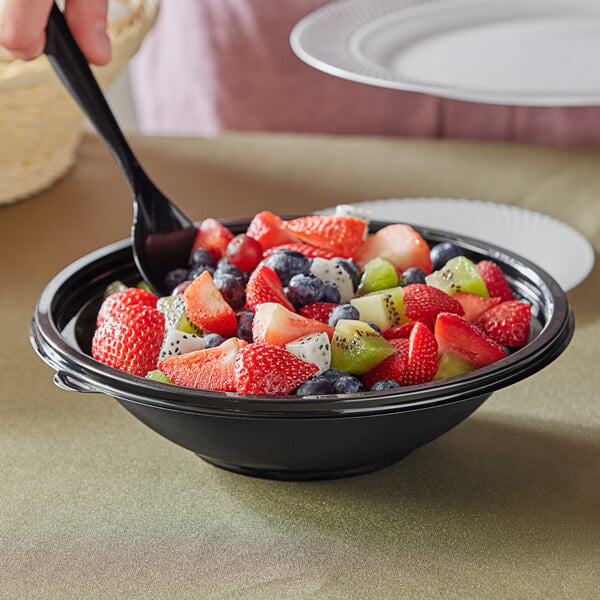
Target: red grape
(244, 252)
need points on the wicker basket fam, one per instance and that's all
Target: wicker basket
(40, 123)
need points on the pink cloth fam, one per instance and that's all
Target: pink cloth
(218, 65)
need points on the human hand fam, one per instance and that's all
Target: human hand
(23, 27)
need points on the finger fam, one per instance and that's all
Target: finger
(23, 26)
(87, 22)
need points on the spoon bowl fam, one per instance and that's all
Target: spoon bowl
(162, 236)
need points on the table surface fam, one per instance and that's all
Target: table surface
(95, 505)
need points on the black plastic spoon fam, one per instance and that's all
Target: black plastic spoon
(162, 236)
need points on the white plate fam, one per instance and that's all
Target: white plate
(553, 245)
(513, 52)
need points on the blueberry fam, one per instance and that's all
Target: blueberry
(315, 386)
(341, 382)
(374, 326)
(175, 277)
(442, 253)
(413, 275)
(304, 289)
(213, 339)
(222, 262)
(332, 374)
(232, 288)
(384, 384)
(342, 311)
(347, 385)
(287, 263)
(229, 269)
(351, 268)
(330, 293)
(199, 269)
(244, 330)
(201, 256)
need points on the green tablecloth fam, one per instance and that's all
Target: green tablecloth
(95, 505)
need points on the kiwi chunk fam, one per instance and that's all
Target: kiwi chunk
(173, 307)
(378, 274)
(451, 365)
(114, 287)
(459, 274)
(357, 348)
(157, 375)
(385, 309)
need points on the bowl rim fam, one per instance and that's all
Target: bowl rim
(78, 371)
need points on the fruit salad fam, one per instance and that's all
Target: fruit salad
(313, 305)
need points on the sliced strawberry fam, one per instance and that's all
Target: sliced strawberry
(275, 324)
(399, 331)
(342, 235)
(212, 236)
(269, 230)
(423, 303)
(455, 334)
(400, 244)
(507, 323)
(474, 305)
(266, 369)
(130, 340)
(209, 369)
(393, 367)
(265, 286)
(319, 311)
(306, 249)
(422, 356)
(495, 281)
(116, 302)
(206, 307)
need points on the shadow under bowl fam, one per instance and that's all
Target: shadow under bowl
(290, 437)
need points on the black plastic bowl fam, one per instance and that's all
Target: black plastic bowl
(290, 437)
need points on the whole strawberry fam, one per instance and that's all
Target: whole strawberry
(115, 303)
(268, 369)
(507, 323)
(130, 340)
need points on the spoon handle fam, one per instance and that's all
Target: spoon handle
(72, 68)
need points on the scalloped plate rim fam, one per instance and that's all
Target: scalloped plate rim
(336, 54)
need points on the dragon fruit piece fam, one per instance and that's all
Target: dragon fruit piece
(328, 270)
(313, 348)
(180, 342)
